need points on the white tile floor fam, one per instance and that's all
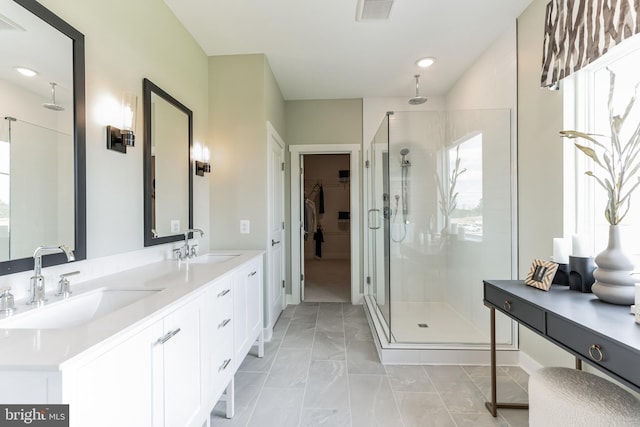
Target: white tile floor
(321, 369)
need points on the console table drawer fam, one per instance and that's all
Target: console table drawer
(520, 310)
(607, 353)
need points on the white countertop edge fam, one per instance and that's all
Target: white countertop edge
(55, 349)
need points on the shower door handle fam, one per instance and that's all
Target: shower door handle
(376, 213)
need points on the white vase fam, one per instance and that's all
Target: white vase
(614, 282)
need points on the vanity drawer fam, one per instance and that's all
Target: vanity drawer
(602, 351)
(222, 300)
(514, 307)
(222, 363)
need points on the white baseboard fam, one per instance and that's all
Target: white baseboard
(527, 363)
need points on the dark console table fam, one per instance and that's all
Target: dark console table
(603, 335)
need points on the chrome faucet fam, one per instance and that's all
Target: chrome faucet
(37, 289)
(188, 251)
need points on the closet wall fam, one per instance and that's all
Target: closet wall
(323, 171)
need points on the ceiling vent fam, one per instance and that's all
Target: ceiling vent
(373, 10)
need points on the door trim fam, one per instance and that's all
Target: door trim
(297, 222)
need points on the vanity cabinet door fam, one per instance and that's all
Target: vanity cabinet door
(115, 388)
(247, 307)
(177, 367)
(254, 303)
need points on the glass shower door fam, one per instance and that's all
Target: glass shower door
(34, 207)
(378, 226)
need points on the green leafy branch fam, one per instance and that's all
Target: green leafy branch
(620, 161)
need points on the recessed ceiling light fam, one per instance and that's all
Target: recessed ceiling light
(26, 71)
(425, 62)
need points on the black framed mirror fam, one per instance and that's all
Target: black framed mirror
(168, 174)
(42, 180)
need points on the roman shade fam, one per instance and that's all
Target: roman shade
(577, 32)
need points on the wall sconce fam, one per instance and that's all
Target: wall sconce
(120, 139)
(200, 154)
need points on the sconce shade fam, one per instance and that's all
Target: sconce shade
(129, 108)
(120, 139)
(200, 155)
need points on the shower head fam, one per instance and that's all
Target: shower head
(417, 100)
(52, 105)
(404, 162)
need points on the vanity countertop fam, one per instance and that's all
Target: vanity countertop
(53, 349)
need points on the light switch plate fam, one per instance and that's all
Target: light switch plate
(245, 226)
(175, 225)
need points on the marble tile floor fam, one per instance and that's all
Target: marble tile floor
(321, 369)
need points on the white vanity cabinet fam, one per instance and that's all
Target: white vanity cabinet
(164, 362)
(248, 308)
(151, 379)
(176, 360)
(115, 386)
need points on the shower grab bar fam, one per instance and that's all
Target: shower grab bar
(375, 216)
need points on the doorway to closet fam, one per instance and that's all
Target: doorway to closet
(298, 196)
(326, 249)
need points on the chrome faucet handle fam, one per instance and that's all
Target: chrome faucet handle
(7, 304)
(64, 287)
(194, 251)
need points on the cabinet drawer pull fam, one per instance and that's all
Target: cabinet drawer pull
(224, 323)
(253, 273)
(507, 305)
(224, 365)
(595, 352)
(168, 336)
(223, 293)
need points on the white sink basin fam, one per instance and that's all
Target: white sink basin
(76, 310)
(212, 258)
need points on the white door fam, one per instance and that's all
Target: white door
(302, 231)
(274, 297)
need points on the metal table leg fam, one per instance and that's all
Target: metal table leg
(494, 404)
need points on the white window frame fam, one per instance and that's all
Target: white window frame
(580, 214)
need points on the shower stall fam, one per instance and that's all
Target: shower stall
(440, 197)
(36, 187)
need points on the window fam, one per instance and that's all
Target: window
(468, 185)
(586, 110)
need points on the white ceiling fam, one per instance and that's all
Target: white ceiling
(317, 49)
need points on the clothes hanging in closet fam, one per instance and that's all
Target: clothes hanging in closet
(321, 200)
(310, 221)
(319, 238)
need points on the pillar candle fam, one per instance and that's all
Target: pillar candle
(637, 301)
(579, 246)
(560, 251)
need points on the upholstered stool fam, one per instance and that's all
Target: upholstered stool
(565, 397)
